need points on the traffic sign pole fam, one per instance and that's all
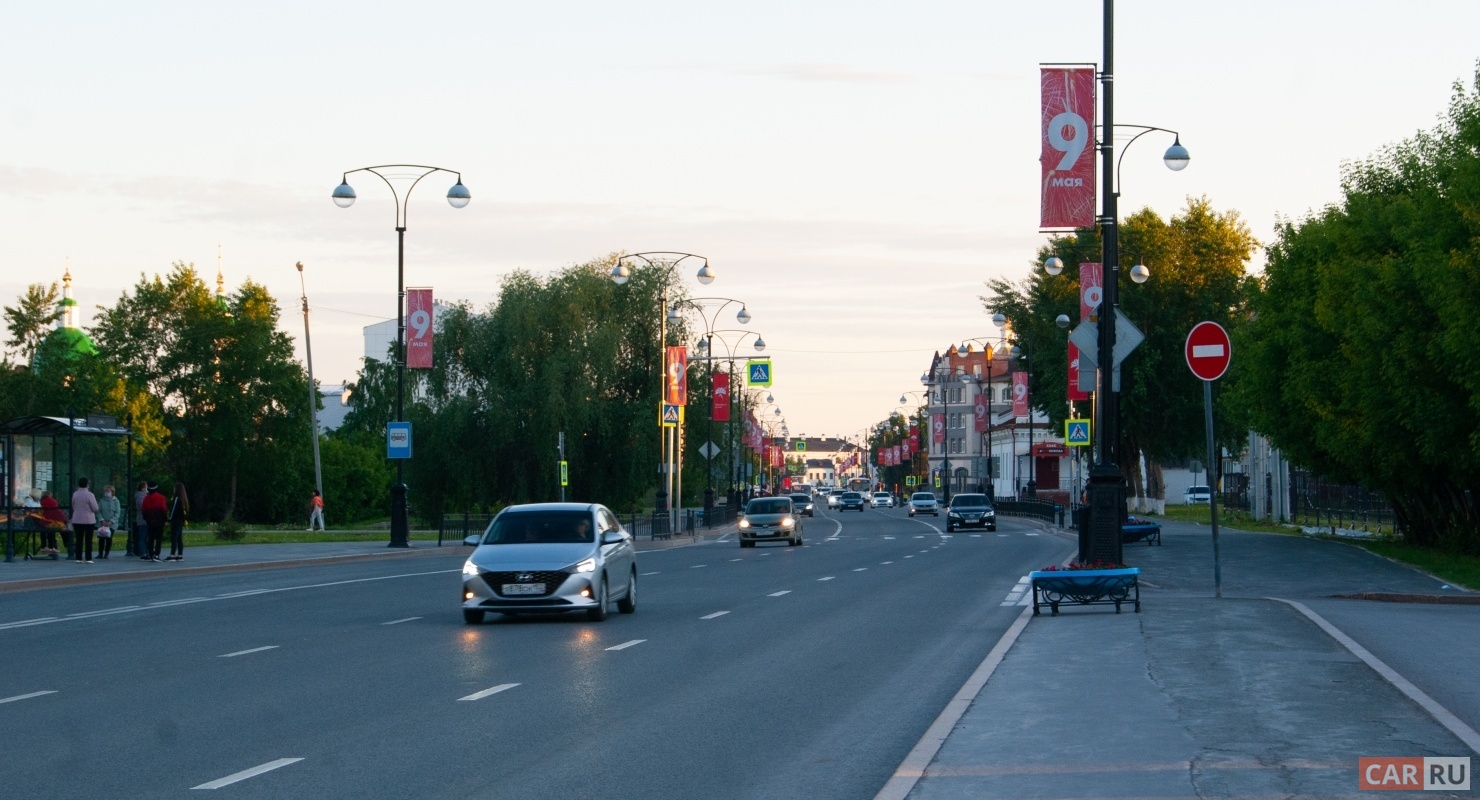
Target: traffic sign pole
(1212, 495)
(1208, 352)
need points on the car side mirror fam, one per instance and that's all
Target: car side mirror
(612, 537)
(472, 541)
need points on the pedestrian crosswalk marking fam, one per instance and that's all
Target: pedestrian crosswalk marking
(1021, 594)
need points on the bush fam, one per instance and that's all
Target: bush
(229, 530)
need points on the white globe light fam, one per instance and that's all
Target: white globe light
(344, 195)
(760, 345)
(1140, 274)
(1062, 320)
(999, 319)
(620, 274)
(1054, 265)
(1176, 156)
(459, 195)
(743, 317)
(706, 275)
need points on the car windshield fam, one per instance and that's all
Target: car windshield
(769, 505)
(969, 501)
(923, 496)
(851, 496)
(801, 498)
(838, 492)
(540, 527)
(881, 494)
(1198, 489)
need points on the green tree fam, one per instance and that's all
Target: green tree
(31, 319)
(1362, 359)
(1198, 261)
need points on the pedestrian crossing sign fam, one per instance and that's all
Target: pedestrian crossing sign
(671, 415)
(1076, 432)
(758, 372)
(909, 480)
(801, 445)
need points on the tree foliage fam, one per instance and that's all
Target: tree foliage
(1363, 355)
(1197, 260)
(30, 320)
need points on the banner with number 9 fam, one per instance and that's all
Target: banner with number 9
(420, 321)
(1067, 161)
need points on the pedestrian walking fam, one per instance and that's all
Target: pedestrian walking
(179, 507)
(140, 535)
(155, 511)
(316, 510)
(110, 520)
(84, 520)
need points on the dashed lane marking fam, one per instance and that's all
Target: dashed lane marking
(778, 594)
(118, 610)
(737, 559)
(248, 773)
(502, 687)
(399, 621)
(1021, 594)
(828, 578)
(860, 569)
(645, 574)
(625, 645)
(246, 652)
(696, 566)
(1030, 534)
(27, 696)
(886, 562)
(715, 614)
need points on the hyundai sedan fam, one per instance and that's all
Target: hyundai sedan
(551, 558)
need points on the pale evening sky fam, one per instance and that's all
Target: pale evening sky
(854, 171)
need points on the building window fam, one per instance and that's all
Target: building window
(1007, 394)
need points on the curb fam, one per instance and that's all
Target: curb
(250, 566)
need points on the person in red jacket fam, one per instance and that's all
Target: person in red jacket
(156, 510)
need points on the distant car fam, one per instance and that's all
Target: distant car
(770, 519)
(851, 500)
(835, 498)
(883, 500)
(551, 558)
(924, 503)
(803, 504)
(1197, 495)
(970, 511)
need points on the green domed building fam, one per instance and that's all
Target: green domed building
(68, 339)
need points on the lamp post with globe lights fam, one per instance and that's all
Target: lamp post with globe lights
(397, 176)
(730, 340)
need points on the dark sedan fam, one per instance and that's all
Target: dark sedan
(803, 504)
(970, 511)
(851, 500)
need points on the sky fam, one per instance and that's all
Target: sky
(854, 171)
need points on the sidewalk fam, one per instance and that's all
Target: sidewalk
(1242, 696)
(22, 575)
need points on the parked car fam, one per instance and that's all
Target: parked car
(835, 498)
(924, 503)
(851, 500)
(1197, 495)
(770, 519)
(970, 511)
(883, 500)
(803, 504)
(551, 558)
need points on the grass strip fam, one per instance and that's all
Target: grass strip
(1460, 570)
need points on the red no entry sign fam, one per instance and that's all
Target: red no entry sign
(1208, 351)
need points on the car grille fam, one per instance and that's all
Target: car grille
(551, 580)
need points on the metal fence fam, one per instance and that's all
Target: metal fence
(1317, 502)
(456, 527)
(1045, 510)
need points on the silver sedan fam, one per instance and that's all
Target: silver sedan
(550, 558)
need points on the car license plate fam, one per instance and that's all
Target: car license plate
(524, 588)
(764, 533)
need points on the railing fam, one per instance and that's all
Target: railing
(1028, 507)
(460, 526)
(1316, 502)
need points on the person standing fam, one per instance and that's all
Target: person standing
(316, 510)
(140, 535)
(84, 520)
(155, 512)
(110, 519)
(179, 507)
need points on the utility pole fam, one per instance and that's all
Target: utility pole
(313, 390)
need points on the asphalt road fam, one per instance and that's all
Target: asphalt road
(767, 672)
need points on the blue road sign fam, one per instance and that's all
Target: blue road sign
(1076, 432)
(672, 415)
(758, 373)
(398, 440)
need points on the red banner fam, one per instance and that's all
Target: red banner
(1067, 161)
(1020, 394)
(1075, 395)
(752, 433)
(421, 319)
(898, 457)
(982, 413)
(1091, 287)
(914, 438)
(720, 407)
(676, 376)
(904, 449)
(938, 427)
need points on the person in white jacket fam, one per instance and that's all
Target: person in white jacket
(84, 520)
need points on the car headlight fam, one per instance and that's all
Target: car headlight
(589, 565)
(991, 513)
(954, 514)
(788, 522)
(745, 523)
(470, 568)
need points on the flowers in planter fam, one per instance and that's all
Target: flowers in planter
(1075, 566)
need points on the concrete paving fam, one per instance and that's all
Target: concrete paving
(1201, 697)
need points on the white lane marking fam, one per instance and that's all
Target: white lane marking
(696, 566)
(888, 537)
(248, 773)
(828, 578)
(914, 764)
(399, 621)
(502, 687)
(715, 614)
(722, 538)
(1024, 588)
(1030, 534)
(182, 601)
(909, 556)
(231, 595)
(919, 537)
(765, 554)
(737, 559)
(1440, 714)
(645, 574)
(778, 594)
(625, 645)
(886, 562)
(253, 650)
(831, 539)
(104, 611)
(976, 536)
(860, 569)
(27, 696)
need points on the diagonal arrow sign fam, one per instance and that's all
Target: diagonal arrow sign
(1086, 336)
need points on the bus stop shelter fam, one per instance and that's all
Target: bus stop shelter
(49, 454)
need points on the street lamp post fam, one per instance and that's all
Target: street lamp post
(718, 305)
(942, 379)
(904, 399)
(708, 354)
(344, 196)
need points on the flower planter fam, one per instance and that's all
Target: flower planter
(1086, 587)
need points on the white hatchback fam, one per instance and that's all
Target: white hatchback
(883, 500)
